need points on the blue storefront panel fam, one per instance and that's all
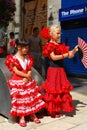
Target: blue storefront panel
(74, 65)
(73, 19)
(70, 3)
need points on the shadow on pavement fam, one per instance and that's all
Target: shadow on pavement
(77, 104)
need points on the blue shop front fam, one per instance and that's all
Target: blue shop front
(73, 20)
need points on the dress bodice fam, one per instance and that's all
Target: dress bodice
(12, 60)
(58, 63)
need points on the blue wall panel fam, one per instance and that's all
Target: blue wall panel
(69, 3)
(74, 65)
(70, 33)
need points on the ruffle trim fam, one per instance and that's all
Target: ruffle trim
(19, 84)
(64, 89)
(48, 48)
(22, 94)
(56, 103)
(14, 113)
(17, 104)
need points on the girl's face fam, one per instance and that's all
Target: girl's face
(56, 35)
(24, 49)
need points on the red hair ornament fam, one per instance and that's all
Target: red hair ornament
(12, 43)
(45, 33)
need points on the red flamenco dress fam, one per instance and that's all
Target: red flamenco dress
(25, 97)
(56, 85)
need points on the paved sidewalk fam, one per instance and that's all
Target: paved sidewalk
(76, 120)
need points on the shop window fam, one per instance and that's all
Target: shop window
(72, 24)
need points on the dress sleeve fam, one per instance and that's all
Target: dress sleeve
(62, 48)
(11, 61)
(47, 49)
(31, 59)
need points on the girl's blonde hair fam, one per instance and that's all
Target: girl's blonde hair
(53, 29)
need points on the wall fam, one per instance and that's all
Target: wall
(35, 14)
(15, 24)
(53, 8)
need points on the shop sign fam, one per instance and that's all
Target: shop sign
(74, 12)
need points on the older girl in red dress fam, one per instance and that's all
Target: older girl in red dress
(57, 87)
(26, 99)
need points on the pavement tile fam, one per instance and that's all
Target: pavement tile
(2, 119)
(77, 119)
(55, 125)
(80, 127)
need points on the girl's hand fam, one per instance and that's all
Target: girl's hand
(29, 74)
(75, 49)
(25, 80)
(72, 52)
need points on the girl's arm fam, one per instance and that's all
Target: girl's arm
(70, 54)
(26, 80)
(58, 57)
(20, 73)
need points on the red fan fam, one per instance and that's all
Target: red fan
(83, 51)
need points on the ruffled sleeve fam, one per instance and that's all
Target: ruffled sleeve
(62, 48)
(31, 59)
(58, 49)
(12, 61)
(48, 48)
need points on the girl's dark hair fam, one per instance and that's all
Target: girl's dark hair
(35, 29)
(12, 34)
(21, 42)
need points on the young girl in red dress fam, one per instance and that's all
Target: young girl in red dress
(26, 99)
(57, 87)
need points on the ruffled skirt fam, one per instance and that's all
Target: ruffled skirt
(57, 88)
(26, 98)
